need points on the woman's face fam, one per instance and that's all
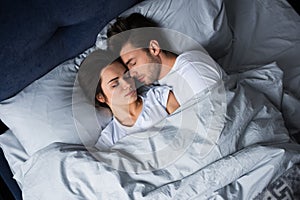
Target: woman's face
(117, 85)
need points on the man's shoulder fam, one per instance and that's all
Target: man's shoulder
(193, 55)
(186, 59)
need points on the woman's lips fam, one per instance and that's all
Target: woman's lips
(130, 93)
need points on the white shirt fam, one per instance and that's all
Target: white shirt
(153, 111)
(192, 72)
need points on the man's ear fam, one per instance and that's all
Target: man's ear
(100, 98)
(154, 47)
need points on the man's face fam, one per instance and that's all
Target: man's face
(142, 65)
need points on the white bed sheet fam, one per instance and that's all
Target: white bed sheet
(268, 31)
(254, 44)
(13, 151)
(252, 150)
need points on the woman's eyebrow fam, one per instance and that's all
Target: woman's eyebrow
(126, 70)
(112, 80)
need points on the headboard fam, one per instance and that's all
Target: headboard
(38, 35)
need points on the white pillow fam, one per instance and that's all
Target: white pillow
(13, 151)
(42, 113)
(205, 21)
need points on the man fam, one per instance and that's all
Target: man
(146, 51)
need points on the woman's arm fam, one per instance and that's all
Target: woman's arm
(172, 103)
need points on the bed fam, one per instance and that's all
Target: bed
(48, 127)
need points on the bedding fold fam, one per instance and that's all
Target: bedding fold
(228, 142)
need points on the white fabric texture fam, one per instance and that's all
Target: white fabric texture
(229, 178)
(42, 113)
(153, 111)
(13, 151)
(266, 31)
(253, 149)
(193, 72)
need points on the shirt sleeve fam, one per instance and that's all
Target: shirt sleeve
(160, 94)
(105, 140)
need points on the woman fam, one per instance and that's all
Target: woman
(132, 112)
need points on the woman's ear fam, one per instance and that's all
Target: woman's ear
(154, 47)
(100, 98)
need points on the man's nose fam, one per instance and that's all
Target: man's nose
(133, 72)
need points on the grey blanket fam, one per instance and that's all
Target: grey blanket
(229, 142)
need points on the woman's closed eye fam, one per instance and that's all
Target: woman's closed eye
(114, 84)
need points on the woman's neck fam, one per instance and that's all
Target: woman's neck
(127, 115)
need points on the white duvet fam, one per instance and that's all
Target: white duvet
(235, 158)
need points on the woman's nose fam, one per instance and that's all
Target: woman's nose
(125, 84)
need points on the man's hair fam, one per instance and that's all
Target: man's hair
(137, 30)
(135, 20)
